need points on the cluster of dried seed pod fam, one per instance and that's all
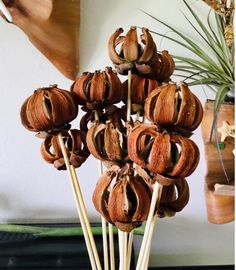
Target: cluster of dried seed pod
(161, 147)
(48, 111)
(136, 154)
(160, 151)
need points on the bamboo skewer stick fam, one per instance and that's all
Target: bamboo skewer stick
(125, 249)
(111, 247)
(105, 244)
(128, 118)
(104, 229)
(137, 116)
(78, 204)
(128, 96)
(147, 251)
(121, 248)
(85, 215)
(104, 224)
(129, 249)
(156, 193)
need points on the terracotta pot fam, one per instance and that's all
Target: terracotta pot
(219, 202)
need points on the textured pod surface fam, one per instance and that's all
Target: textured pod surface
(50, 149)
(98, 88)
(140, 89)
(77, 151)
(170, 105)
(131, 50)
(108, 113)
(48, 109)
(102, 192)
(106, 142)
(162, 153)
(126, 203)
(160, 67)
(174, 198)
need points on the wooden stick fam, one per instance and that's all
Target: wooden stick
(85, 216)
(78, 204)
(104, 228)
(128, 117)
(111, 247)
(129, 249)
(105, 244)
(125, 235)
(104, 224)
(156, 192)
(148, 246)
(121, 248)
(137, 116)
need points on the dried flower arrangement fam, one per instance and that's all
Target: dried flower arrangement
(144, 145)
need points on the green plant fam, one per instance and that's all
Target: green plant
(54, 231)
(212, 63)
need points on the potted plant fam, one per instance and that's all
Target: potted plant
(212, 65)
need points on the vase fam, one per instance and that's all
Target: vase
(219, 179)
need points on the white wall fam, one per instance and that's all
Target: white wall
(33, 191)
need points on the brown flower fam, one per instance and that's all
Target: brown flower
(98, 89)
(77, 151)
(106, 142)
(131, 51)
(162, 153)
(173, 198)
(140, 89)
(48, 109)
(172, 105)
(127, 204)
(160, 68)
(110, 113)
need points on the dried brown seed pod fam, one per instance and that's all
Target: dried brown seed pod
(160, 67)
(110, 113)
(97, 89)
(77, 151)
(48, 109)
(50, 149)
(173, 198)
(127, 204)
(106, 142)
(172, 105)
(131, 50)
(102, 192)
(140, 89)
(162, 153)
